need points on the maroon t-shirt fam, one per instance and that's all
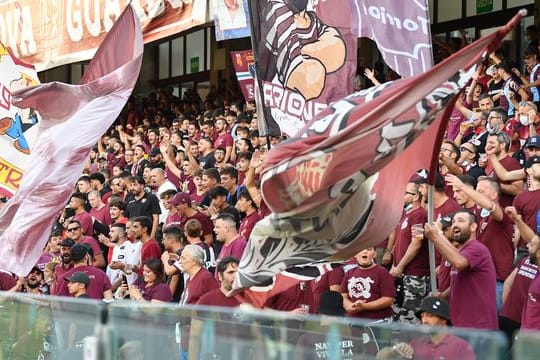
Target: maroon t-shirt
(174, 220)
(450, 347)
(323, 283)
(234, 249)
(149, 250)
(472, 291)
(99, 282)
(292, 298)
(87, 223)
(517, 296)
(448, 207)
(102, 215)
(369, 285)
(509, 163)
(160, 291)
(93, 244)
(223, 140)
(206, 223)
(217, 298)
(497, 236)
(248, 223)
(443, 275)
(419, 266)
(530, 319)
(527, 203)
(201, 283)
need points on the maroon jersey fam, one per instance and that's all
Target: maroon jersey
(223, 140)
(323, 283)
(160, 291)
(99, 282)
(149, 250)
(93, 244)
(201, 283)
(450, 347)
(248, 223)
(443, 275)
(509, 163)
(102, 215)
(527, 203)
(517, 296)
(217, 298)
(86, 221)
(206, 223)
(369, 285)
(530, 319)
(472, 290)
(497, 236)
(419, 266)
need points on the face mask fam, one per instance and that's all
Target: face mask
(524, 120)
(408, 207)
(492, 129)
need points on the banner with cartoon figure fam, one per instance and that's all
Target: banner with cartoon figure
(306, 58)
(17, 130)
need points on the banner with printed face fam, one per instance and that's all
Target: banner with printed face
(231, 18)
(306, 58)
(401, 30)
(49, 33)
(242, 60)
(336, 187)
(17, 130)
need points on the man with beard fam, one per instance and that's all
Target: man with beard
(227, 269)
(498, 144)
(530, 319)
(495, 228)
(77, 204)
(143, 204)
(224, 139)
(219, 155)
(473, 279)
(66, 264)
(149, 247)
(410, 266)
(34, 283)
(206, 157)
(125, 256)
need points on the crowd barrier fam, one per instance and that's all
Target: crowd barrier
(65, 328)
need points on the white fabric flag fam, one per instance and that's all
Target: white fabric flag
(73, 118)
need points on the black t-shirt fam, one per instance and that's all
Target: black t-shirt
(208, 161)
(148, 205)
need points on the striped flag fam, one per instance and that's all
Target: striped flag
(337, 187)
(73, 119)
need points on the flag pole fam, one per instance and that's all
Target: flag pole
(431, 248)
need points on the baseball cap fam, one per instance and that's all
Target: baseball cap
(68, 242)
(78, 252)
(79, 277)
(180, 198)
(534, 141)
(435, 306)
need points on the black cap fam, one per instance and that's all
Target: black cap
(435, 306)
(331, 304)
(68, 242)
(533, 142)
(78, 277)
(78, 252)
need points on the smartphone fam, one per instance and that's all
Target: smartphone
(124, 279)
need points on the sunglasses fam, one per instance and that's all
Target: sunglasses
(73, 229)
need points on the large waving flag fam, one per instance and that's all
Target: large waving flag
(17, 126)
(73, 119)
(337, 187)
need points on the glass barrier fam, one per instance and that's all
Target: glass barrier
(65, 328)
(527, 346)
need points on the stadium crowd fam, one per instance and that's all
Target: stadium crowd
(170, 196)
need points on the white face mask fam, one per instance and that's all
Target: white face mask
(524, 119)
(493, 129)
(408, 207)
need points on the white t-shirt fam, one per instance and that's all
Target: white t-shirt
(128, 253)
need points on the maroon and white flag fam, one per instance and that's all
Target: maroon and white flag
(336, 188)
(73, 118)
(401, 30)
(242, 60)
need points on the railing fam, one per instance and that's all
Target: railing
(65, 328)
